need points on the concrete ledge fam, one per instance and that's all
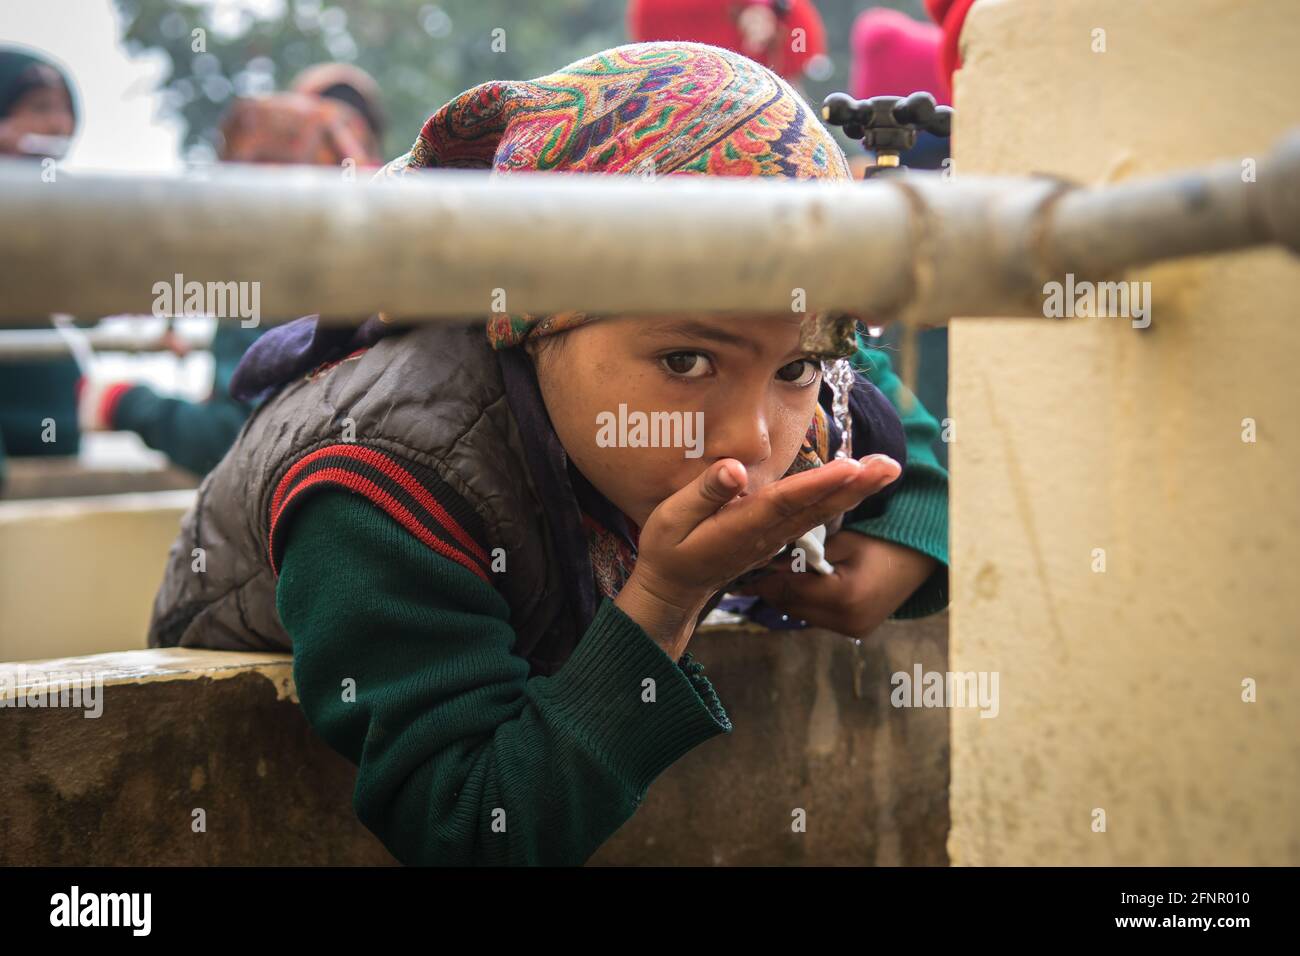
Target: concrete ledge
(180, 731)
(185, 730)
(70, 477)
(814, 730)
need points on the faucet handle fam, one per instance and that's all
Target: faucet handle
(887, 124)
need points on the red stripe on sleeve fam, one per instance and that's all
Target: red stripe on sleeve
(392, 469)
(364, 486)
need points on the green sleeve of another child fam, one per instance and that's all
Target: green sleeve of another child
(917, 515)
(195, 435)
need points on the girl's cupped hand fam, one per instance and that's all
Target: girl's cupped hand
(712, 531)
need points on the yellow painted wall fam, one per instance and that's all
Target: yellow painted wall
(1122, 690)
(78, 575)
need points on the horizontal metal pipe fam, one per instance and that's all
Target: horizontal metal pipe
(42, 343)
(1221, 209)
(458, 245)
(445, 245)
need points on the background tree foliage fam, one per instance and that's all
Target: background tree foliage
(421, 53)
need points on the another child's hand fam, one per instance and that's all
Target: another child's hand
(709, 533)
(872, 579)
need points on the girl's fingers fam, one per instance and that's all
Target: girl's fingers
(785, 501)
(840, 547)
(890, 465)
(807, 595)
(869, 478)
(795, 605)
(707, 517)
(711, 489)
(781, 512)
(703, 499)
(802, 587)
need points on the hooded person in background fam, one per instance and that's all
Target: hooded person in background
(352, 85)
(37, 110)
(279, 129)
(38, 413)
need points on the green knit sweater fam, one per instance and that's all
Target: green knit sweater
(402, 663)
(462, 758)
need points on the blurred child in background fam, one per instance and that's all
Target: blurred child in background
(315, 125)
(38, 412)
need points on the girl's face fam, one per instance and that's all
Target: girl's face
(706, 387)
(46, 110)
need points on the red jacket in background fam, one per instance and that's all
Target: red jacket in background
(715, 22)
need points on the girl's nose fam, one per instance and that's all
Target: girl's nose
(741, 435)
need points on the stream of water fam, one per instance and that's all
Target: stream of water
(839, 375)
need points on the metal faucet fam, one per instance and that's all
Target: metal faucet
(887, 125)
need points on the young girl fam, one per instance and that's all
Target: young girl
(489, 608)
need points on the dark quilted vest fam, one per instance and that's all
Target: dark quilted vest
(433, 397)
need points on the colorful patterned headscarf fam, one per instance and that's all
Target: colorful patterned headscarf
(675, 108)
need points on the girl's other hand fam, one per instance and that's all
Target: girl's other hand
(872, 579)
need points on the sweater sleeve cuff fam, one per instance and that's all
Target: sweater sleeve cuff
(602, 697)
(693, 670)
(917, 518)
(123, 413)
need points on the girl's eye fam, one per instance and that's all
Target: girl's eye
(801, 372)
(686, 364)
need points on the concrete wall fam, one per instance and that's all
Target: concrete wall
(222, 732)
(180, 731)
(1121, 690)
(78, 575)
(814, 730)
